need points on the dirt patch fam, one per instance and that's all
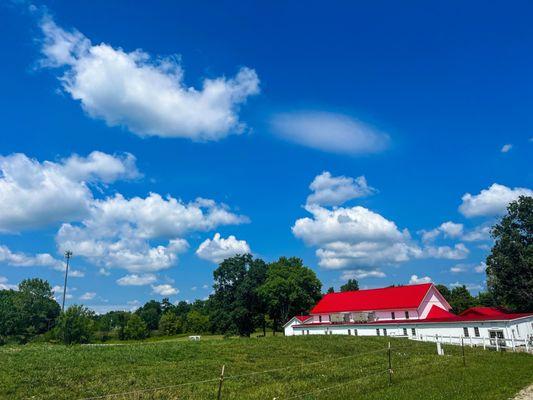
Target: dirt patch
(525, 394)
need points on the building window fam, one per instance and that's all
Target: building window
(349, 332)
(405, 331)
(476, 331)
(407, 315)
(393, 315)
(465, 331)
(377, 332)
(355, 332)
(331, 332)
(413, 331)
(320, 318)
(384, 331)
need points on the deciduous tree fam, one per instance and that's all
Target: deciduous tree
(510, 264)
(290, 288)
(352, 284)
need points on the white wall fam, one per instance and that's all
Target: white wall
(523, 329)
(433, 298)
(289, 331)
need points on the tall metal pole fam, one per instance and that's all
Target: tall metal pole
(68, 254)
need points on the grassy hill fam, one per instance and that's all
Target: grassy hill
(261, 368)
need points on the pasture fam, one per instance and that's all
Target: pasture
(308, 367)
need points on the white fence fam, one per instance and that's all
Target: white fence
(525, 345)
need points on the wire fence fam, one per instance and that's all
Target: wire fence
(382, 367)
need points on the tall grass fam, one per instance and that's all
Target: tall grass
(307, 367)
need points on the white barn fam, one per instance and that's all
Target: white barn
(414, 311)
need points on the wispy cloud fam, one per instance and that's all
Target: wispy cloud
(329, 132)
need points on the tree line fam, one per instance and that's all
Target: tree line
(251, 295)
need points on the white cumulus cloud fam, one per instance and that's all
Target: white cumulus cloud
(415, 279)
(218, 248)
(146, 94)
(88, 296)
(165, 290)
(34, 194)
(479, 233)
(330, 132)
(448, 229)
(137, 280)
(361, 240)
(361, 274)
(5, 285)
(119, 232)
(328, 190)
(492, 201)
(458, 252)
(18, 259)
(354, 236)
(481, 267)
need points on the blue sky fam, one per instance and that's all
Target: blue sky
(374, 140)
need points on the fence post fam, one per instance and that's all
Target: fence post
(390, 366)
(220, 382)
(497, 343)
(527, 345)
(463, 350)
(484, 344)
(513, 343)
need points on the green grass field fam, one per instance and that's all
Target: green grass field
(305, 367)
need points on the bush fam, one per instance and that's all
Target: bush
(136, 328)
(76, 325)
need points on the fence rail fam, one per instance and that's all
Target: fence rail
(479, 341)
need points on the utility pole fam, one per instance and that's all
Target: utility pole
(68, 254)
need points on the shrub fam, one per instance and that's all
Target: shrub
(76, 325)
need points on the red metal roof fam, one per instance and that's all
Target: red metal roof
(302, 318)
(488, 311)
(391, 298)
(438, 315)
(437, 312)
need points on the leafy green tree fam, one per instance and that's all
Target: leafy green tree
(30, 311)
(136, 328)
(169, 323)
(235, 304)
(461, 299)
(197, 322)
(351, 285)
(166, 306)
(104, 326)
(39, 308)
(150, 313)
(510, 264)
(331, 289)
(11, 321)
(76, 325)
(486, 299)
(290, 288)
(444, 291)
(119, 319)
